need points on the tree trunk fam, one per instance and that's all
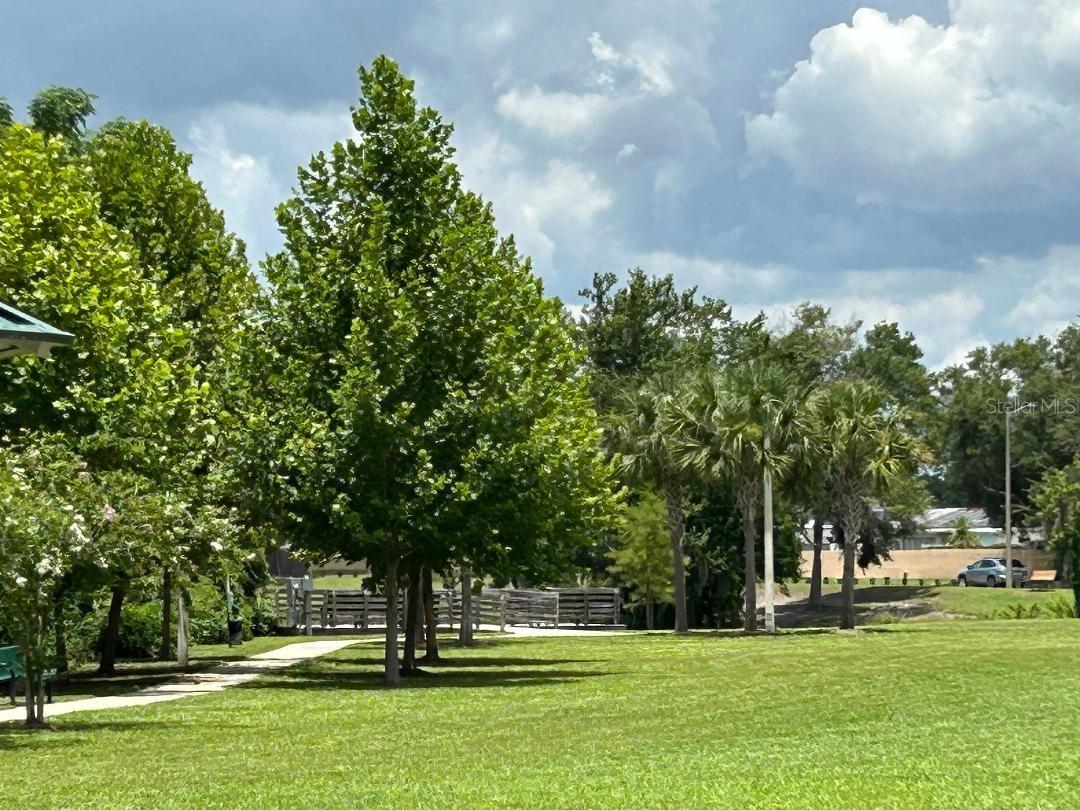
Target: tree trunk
(431, 638)
(847, 613)
(648, 611)
(815, 568)
(31, 653)
(391, 672)
(749, 572)
(107, 666)
(181, 629)
(465, 630)
(165, 648)
(412, 592)
(676, 528)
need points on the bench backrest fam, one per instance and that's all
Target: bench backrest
(10, 663)
(1043, 576)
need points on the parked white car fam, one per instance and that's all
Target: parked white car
(990, 572)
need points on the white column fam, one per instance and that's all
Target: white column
(770, 607)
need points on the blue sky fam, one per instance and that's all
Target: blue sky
(913, 160)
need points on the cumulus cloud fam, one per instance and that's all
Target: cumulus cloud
(980, 113)
(619, 79)
(240, 151)
(1053, 300)
(555, 114)
(552, 208)
(646, 63)
(728, 279)
(236, 181)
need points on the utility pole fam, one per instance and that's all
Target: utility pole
(770, 608)
(1008, 496)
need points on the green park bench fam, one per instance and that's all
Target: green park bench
(11, 670)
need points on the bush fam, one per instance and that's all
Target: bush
(139, 633)
(207, 615)
(1056, 608)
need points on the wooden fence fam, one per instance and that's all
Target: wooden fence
(502, 607)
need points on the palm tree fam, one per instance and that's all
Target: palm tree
(962, 535)
(639, 435)
(865, 448)
(733, 426)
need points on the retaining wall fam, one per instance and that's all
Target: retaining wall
(935, 563)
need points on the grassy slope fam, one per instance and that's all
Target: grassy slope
(981, 603)
(950, 714)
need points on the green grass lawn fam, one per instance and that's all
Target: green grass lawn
(338, 582)
(945, 714)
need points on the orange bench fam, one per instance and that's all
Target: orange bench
(1042, 579)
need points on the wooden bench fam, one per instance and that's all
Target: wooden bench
(1042, 579)
(11, 670)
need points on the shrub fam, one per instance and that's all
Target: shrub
(139, 633)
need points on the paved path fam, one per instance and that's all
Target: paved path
(197, 683)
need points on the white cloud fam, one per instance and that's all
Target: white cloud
(981, 113)
(1053, 300)
(546, 210)
(950, 312)
(726, 279)
(627, 150)
(555, 114)
(646, 61)
(621, 78)
(240, 150)
(238, 182)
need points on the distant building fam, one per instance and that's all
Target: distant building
(934, 527)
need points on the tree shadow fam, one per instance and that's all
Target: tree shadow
(63, 731)
(370, 677)
(450, 663)
(874, 604)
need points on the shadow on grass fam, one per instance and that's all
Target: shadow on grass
(450, 663)
(367, 675)
(874, 604)
(62, 731)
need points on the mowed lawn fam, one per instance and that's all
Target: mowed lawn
(948, 714)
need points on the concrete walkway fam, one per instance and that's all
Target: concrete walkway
(197, 683)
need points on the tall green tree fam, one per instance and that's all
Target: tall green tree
(62, 112)
(145, 190)
(1037, 380)
(892, 361)
(1056, 498)
(137, 395)
(719, 431)
(421, 386)
(865, 447)
(641, 559)
(815, 351)
(642, 437)
(646, 326)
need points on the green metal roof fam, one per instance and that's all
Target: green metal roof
(24, 334)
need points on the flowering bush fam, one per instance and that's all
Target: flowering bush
(42, 537)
